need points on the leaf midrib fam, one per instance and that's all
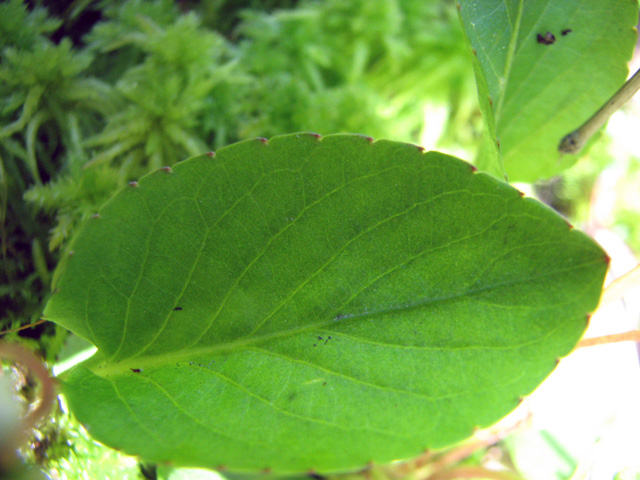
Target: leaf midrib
(513, 43)
(125, 365)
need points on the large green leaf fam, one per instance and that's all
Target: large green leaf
(532, 93)
(310, 303)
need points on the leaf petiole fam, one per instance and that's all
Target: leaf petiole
(574, 141)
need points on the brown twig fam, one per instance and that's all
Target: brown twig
(472, 472)
(632, 336)
(24, 327)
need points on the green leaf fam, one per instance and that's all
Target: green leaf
(532, 94)
(310, 303)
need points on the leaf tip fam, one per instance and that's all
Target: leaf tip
(133, 184)
(166, 169)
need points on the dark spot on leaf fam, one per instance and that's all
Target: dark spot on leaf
(71, 253)
(133, 184)
(324, 383)
(263, 140)
(95, 215)
(319, 338)
(328, 338)
(211, 154)
(291, 396)
(177, 309)
(546, 39)
(315, 476)
(136, 370)
(166, 169)
(566, 31)
(340, 317)
(315, 345)
(473, 50)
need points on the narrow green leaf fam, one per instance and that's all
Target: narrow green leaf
(543, 68)
(310, 303)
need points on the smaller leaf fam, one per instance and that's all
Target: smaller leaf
(542, 69)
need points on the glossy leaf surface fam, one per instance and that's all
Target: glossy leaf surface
(544, 67)
(310, 303)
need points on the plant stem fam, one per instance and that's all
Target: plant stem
(632, 336)
(574, 141)
(24, 327)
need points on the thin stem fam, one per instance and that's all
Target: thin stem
(472, 472)
(573, 142)
(621, 287)
(632, 336)
(24, 327)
